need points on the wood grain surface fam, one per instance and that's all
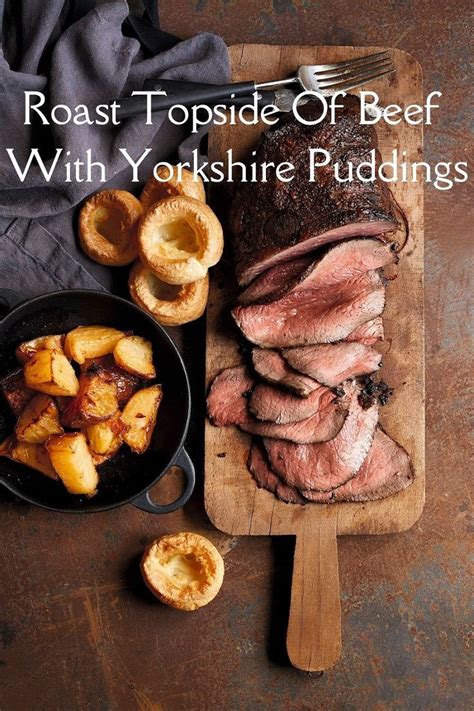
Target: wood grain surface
(77, 625)
(233, 502)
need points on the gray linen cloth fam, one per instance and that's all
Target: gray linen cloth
(89, 61)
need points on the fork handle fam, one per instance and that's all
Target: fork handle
(135, 105)
(177, 89)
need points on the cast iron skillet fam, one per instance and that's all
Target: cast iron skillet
(127, 477)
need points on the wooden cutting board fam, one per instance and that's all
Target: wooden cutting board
(233, 502)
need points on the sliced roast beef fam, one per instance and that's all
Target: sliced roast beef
(323, 425)
(325, 466)
(228, 396)
(386, 470)
(266, 479)
(368, 333)
(274, 405)
(276, 281)
(332, 363)
(227, 404)
(313, 315)
(273, 368)
(275, 221)
(331, 266)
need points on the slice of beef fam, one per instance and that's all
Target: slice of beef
(275, 221)
(331, 266)
(332, 363)
(368, 333)
(386, 470)
(313, 315)
(273, 368)
(274, 405)
(325, 466)
(323, 425)
(227, 404)
(276, 281)
(265, 479)
(228, 396)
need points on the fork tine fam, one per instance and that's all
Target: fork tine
(352, 71)
(355, 76)
(350, 62)
(361, 81)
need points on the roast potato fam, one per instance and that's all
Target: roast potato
(15, 391)
(139, 417)
(127, 384)
(34, 456)
(91, 342)
(99, 459)
(38, 421)
(95, 401)
(73, 463)
(105, 438)
(27, 350)
(135, 354)
(50, 372)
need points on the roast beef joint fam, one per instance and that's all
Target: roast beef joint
(313, 258)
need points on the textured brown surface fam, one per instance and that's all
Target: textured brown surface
(78, 629)
(231, 499)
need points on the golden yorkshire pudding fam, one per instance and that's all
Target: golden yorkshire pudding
(183, 570)
(158, 189)
(179, 239)
(171, 305)
(108, 227)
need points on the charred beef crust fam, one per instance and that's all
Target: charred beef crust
(268, 218)
(373, 389)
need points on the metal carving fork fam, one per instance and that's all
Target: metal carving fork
(326, 79)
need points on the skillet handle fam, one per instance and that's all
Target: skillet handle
(8, 300)
(144, 502)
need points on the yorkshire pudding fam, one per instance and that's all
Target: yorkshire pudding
(171, 305)
(160, 187)
(179, 239)
(183, 570)
(108, 227)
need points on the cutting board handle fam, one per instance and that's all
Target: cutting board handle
(313, 639)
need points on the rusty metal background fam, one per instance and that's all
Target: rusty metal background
(78, 630)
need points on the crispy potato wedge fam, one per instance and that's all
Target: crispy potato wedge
(105, 438)
(139, 416)
(73, 463)
(91, 342)
(27, 350)
(38, 421)
(96, 401)
(135, 354)
(15, 391)
(99, 459)
(127, 384)
(50, 372)
(34, 456)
